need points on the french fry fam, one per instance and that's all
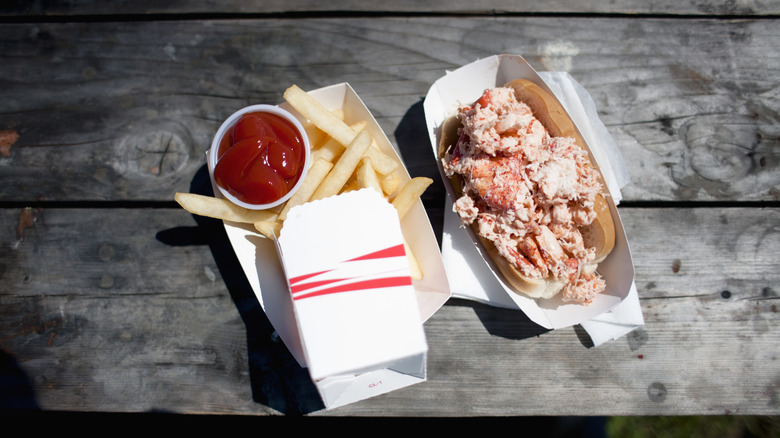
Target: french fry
(366, 176)
(313, 179)
(350, 185)
(220, 208)
(390, 183)
(269, 228)
(332, 149)
(383, 163)
(409, 194)
(343, 168)
(315, 134)
(339, 113)
(318, 137)
(329, 151)
(334, 126)
(359, 125)
(414, 266)
(317, 114)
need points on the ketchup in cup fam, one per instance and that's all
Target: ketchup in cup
(260, 156)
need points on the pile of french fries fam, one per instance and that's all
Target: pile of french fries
(343, 157)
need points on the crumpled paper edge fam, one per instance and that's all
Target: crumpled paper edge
(626, 316)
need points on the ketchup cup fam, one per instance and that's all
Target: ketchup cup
(226, 129)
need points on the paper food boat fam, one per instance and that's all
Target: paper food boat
(470, 269)
(261, 263)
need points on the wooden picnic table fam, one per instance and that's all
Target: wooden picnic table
(115, 299)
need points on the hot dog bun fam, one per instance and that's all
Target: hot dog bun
(600, 234)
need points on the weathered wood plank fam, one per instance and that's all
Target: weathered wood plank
(143, 309)
(65, 8)
(125, 111)
(114, 324)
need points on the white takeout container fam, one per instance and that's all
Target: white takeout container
(229, 122)
(465, 258)
(261, 264)
(353, 298)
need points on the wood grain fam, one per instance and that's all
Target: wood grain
(38, 8)
(136, 310)
(125, 111)
(115, 300)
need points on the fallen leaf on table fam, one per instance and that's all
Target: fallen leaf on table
(7, 139)
(26, 220)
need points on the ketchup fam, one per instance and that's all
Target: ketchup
(260, 158)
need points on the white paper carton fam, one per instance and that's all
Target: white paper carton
(352, 292)
(260, 262)
(467, 265)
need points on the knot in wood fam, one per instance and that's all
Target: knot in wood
(159, 149)
(727, 155)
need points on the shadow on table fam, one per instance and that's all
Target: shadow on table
(16, 389)
(277, 380)
(506, 323)
(411, 136)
